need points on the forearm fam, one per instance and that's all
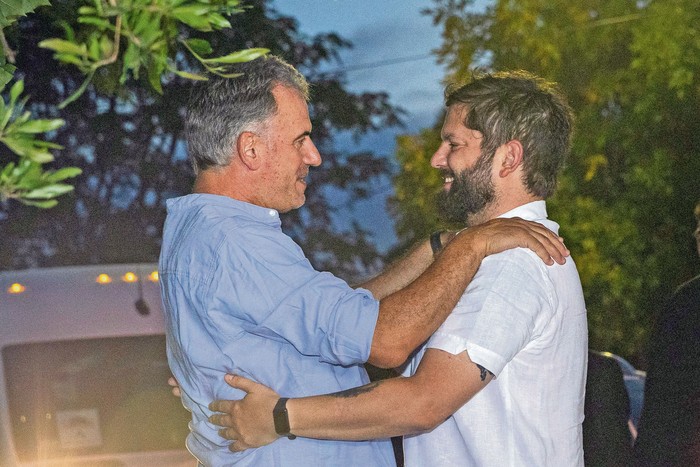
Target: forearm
(378, 410)
(402, 272)
(398, 406)
(411, 315)
(442, 383)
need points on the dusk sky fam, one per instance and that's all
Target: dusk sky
(392, 42)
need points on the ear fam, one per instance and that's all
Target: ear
(512, 157)
(248, 147)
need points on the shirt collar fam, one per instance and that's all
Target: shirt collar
(259, 213)
(530, 211)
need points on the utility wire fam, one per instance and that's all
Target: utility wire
(377, 64)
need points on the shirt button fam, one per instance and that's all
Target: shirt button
(273, 213)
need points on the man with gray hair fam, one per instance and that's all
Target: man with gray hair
(240, 296)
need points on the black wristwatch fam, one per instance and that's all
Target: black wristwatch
(436, 241)
(281, 418)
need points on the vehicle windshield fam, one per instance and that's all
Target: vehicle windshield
(92, 396)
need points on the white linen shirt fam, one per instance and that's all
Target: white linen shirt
(526, 323)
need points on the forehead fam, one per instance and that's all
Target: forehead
(454, 124)
(290, 103)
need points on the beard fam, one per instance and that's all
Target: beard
(471, 191)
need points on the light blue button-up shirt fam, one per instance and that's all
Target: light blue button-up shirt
(241, 297)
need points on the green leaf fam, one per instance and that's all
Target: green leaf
(94, 48)
(193, 16)
(218, 21)
(22, 168)
(48, 191)
(20, 146)
(5, 174)
(32, 150)
(64, 173)
(199, 46)
(7, 72)
(239, 56)
(40, 156)
(69, 58)
(230, 75)
(40, 204)
(87, 10)
(16, 90)
(60, 45)
(41, 125)
(131, 61)
(155, 71)
(99, 22)
(192, 76)
(31, 178)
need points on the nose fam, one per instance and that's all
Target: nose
(312, 157)
(439, 159)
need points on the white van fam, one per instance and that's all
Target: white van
(83, 373)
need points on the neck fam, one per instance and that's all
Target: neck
(500, 206)
(223, 181)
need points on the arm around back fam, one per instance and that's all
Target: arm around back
(397, 406)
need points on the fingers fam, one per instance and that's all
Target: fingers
(222, 419)
(548, 246)
(244, 384)
(552, 245)
(172, 382)
(221, 406)
(238, 446)
(502, 234)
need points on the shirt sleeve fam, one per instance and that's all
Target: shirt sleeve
(268, 288)
(503, 309)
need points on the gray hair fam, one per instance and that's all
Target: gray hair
(220, 109)
(518, 105)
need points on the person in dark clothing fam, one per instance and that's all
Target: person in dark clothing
(607, 441)
(669, 429)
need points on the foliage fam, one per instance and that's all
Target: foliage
(13, 9)
(631, 71)
(25, 180)
(150, 31)
(135, 34)
(130, 148)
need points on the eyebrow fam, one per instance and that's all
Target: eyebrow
(306, 133)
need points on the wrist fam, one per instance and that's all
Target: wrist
(448, 235)
(436, 241)
(440, 238)
(280, 417)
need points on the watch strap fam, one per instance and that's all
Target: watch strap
(436, 241)
(281, 418)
